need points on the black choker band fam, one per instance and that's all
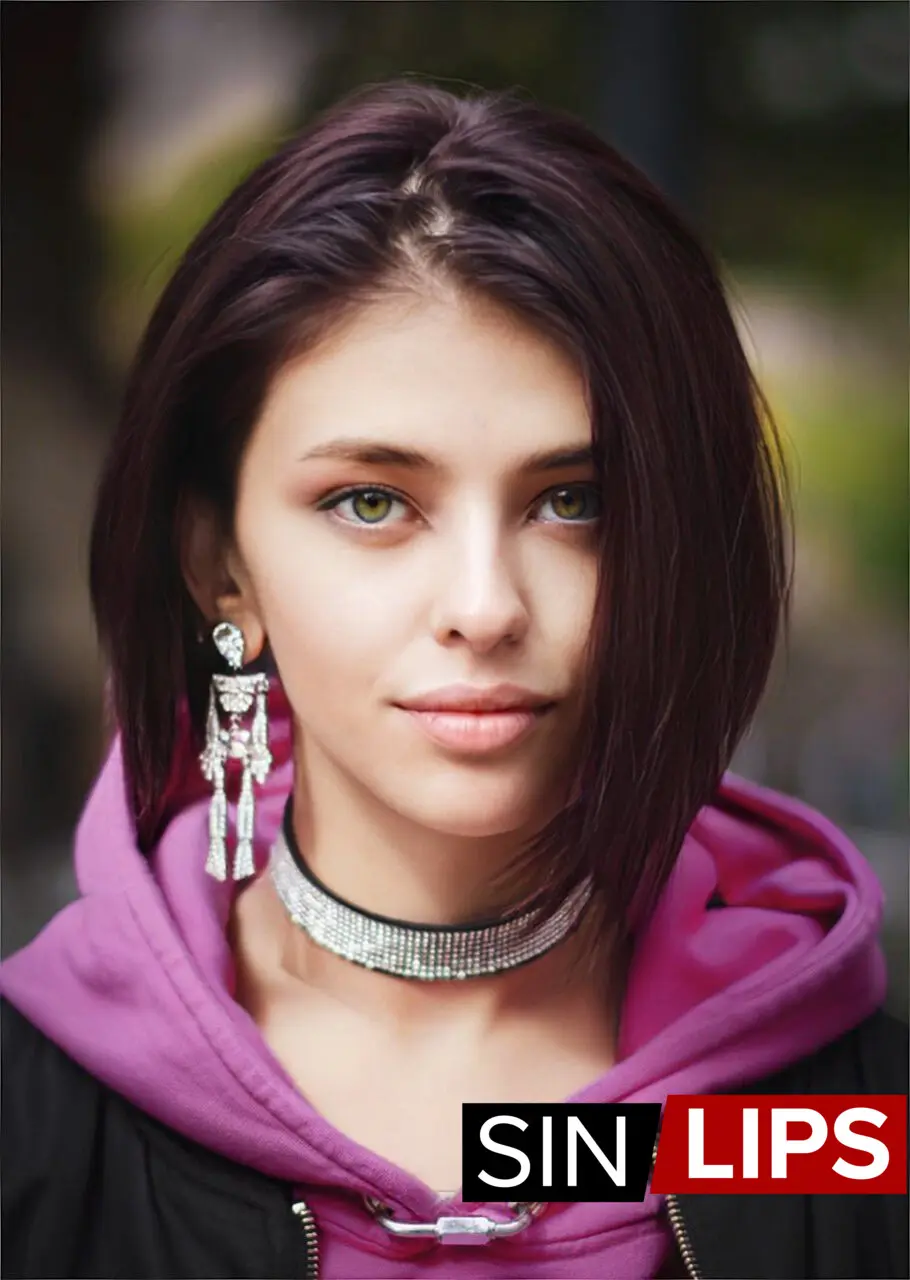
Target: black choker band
(427, 952)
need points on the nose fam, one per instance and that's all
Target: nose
(479, 599)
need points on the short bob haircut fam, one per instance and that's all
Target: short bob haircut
(405, 186)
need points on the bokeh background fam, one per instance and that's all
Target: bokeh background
(781, 129)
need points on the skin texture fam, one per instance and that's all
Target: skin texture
(479, 571)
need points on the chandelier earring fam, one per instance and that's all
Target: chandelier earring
(235, 695)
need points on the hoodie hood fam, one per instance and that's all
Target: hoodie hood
(763, 948)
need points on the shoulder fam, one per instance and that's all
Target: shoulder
(92, 1186)
(821, 1235)
(49, 1125)
(23, 1046)
(41, 1083)
(870, 1058)
(49, 1114)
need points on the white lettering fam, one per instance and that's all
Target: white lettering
(697, 1166)
(750, 1142)
(575, 1130)
(491, 1145)
(782, 1144)
(861, 1142)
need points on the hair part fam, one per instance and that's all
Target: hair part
(404, 186)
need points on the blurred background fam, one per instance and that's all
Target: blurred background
(781, 129)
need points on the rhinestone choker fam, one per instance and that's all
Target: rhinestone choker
(430, 953)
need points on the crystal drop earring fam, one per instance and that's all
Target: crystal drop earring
(235, 695)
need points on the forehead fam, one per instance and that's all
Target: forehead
(459, 378)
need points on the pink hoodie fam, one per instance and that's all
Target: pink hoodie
(134, 981)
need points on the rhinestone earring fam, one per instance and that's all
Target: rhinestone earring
(235, 694)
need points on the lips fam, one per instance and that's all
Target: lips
(475, 720)
(477, 732)
(476, 698)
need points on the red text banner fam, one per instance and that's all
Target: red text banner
(801, 1144)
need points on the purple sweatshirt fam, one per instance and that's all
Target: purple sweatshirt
(134, 981)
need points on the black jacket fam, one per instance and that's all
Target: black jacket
(92, 1187)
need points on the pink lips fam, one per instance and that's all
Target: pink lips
(477, 720)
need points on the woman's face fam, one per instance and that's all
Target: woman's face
(416, 513)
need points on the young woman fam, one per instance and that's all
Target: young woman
(440, 558)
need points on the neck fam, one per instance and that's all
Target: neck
(275, 956)
(376, 860)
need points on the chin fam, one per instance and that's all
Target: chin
(470, 809)
(469, 827)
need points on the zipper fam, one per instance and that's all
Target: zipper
(304, 1215)
(677, 1225)
(681, 1236)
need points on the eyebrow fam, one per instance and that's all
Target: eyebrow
(373, 453)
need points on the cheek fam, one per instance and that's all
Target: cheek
(564, 604)
(330, 629)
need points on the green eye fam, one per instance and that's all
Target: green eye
(370, 505)
(574, 504)
(364, 506)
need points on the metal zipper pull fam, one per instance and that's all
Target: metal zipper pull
(304, 1215)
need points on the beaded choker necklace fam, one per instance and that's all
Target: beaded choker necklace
(429, 953)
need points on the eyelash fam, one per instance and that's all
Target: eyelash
(334, 500)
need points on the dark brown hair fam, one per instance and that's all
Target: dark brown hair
(397, 186)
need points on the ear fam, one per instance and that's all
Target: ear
(215, 574)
